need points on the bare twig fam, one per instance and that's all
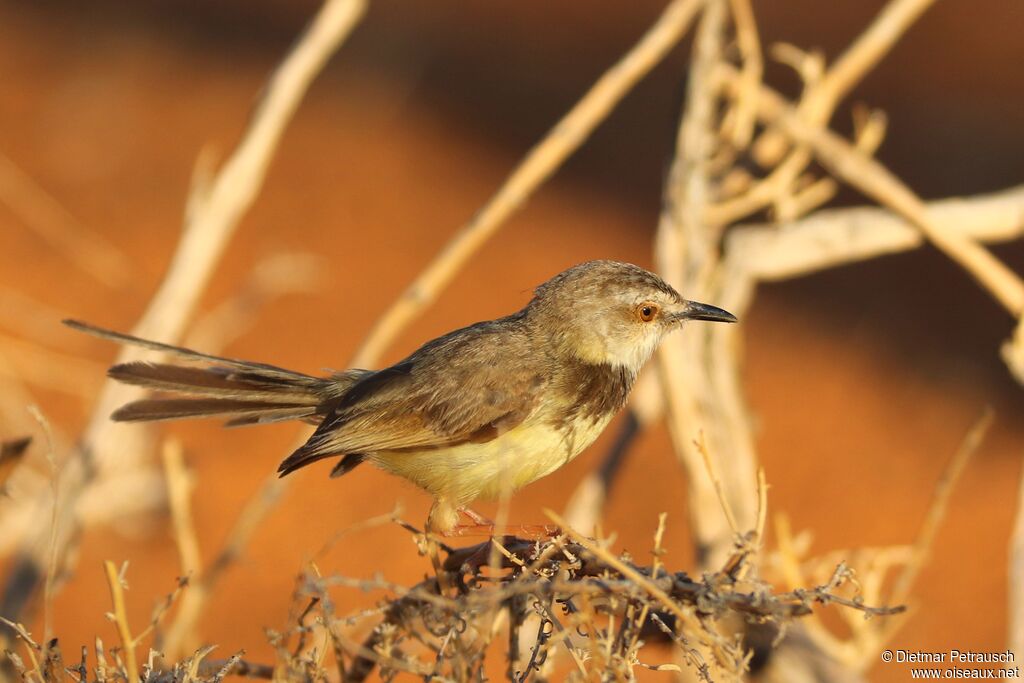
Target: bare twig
(51, 564)
(41, 212)
(745, 113)
(686, 619)
(940, 501)
(875, 180)
(53, 370)
(538, 165)
(214, 212)
(120, 616)
(716, 482)
(829, 238)
(179, 496)
(1016, 578)
(687, 255)
(181, 633)
(822, 94)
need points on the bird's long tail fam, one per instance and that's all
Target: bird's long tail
(243, 391)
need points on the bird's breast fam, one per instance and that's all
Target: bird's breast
(462, 473)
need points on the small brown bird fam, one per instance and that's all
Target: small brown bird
(484, 409)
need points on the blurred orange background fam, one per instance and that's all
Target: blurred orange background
(863, 379)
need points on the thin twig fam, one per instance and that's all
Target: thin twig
(538, 165)
(179, 497)
(745, 113)
(181, 632)
(717, 483)
(839, 236)
(40, 211)
(1016, 577)
(214, 212)
(940, 501)
(686, 619)
(871, 177)
(51, 565)
(114, 579)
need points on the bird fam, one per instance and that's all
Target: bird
(480, 411)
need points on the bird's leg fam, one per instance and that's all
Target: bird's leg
(475, 516)
(441, 519)
(478, 524)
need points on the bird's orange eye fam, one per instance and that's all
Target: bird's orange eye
(647, 311)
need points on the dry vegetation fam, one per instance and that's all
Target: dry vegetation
(566, 605)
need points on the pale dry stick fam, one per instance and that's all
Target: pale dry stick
(274, 276)
(716, 482)
(762, 508)
(764, 253)
(538, 165)
(745, 112)
(1012, 351)
(42, 213)
(52, 370)
(875, 180)
(687, 621)
(840, 236)
(28, 317)
(31, 646)
(937, 510)
(686, 253)
(1016, 578)
(861, 653)
(863, 55)
(120, 615)
(183, 629)
(817, 104)
(179, 497)
(212, 216)
(51, 565)
(215, 211)
(870, 47)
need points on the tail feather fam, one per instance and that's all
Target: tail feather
(270, 416)
(179, 408)
(215, 381)
(247, 392)
(262, 369)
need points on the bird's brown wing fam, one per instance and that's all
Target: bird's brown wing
(470, 386)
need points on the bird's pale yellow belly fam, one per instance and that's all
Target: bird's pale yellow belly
(522, 455)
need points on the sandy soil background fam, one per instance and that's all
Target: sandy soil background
(863, 379)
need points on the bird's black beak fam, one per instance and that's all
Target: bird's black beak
(698, 311)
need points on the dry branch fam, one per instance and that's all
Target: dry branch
(182, 635)
(687, 255)
(115, 581)
(840, 236)
(876, 181)
(539, 164)
(1016, 577)
(214, 212)
(584, 598)
(41, 212)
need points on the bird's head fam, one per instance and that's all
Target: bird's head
(613, 313)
